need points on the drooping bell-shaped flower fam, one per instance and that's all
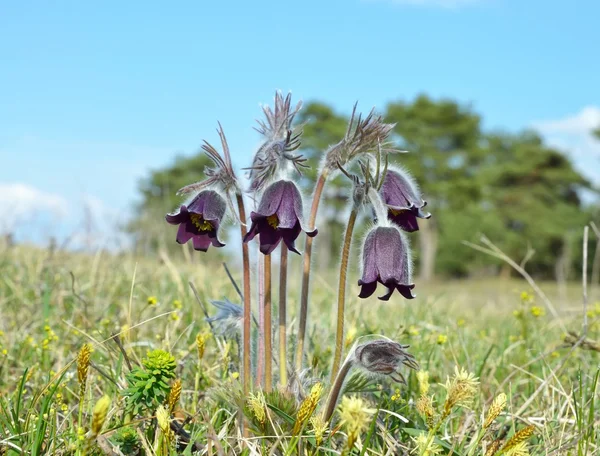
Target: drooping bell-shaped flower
(279, 216)
(384, 357)
(200, 220)
(386, 259)
(401, 195)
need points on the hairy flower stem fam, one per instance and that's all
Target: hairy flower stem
(336, 389)
(282, 315)
(339, 336)
(267, 326)
(246, 379)
(306, 270)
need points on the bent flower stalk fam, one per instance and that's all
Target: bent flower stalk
(390, 200)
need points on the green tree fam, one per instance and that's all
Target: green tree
(443, 140)
(158, 197)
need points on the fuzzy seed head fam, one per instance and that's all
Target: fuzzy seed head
(174, 395)
(495, 409)
(308, 406)
(99, 414)
(83, 364)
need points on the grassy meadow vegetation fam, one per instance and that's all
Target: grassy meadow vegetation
(111, 354)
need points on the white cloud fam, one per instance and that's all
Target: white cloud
(18, 200)
(573, 135)
(449, 4)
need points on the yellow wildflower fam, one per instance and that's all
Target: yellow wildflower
(426, 446)
(99, 414)
(355, 415)
(177, 304)
(152, 301)
(258, 406)
(413, 330)
(319, 427)
(537, 311)
(460, 390)
(442, 339)
(424, 406)
(495, 409)
(308, 406)
(423, 379)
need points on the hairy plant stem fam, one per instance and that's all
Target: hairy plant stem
(260, 356)
(339, 335)
(306, 269)
(336, 389)
(267, 326)
(246, 379)
(283, 315)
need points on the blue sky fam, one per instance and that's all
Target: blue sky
(93, 94)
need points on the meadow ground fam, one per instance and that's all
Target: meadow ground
(53, 303)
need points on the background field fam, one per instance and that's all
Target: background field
(53, 302)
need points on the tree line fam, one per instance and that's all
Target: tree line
(522, 194)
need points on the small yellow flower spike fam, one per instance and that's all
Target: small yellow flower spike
(423, 379)
(258, 406)
(319, 427)
(355, 415)
(425, 446)
(495, 409)
(308, 407)
(152, 301)
(99, 414)
(177, 304)
(163, 418)
(425, 408)
(441, 339)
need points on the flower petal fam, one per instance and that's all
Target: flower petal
(367, 289)
(201, 242)
(185, 232)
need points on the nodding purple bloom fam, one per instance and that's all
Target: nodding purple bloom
(279, 216)
(200, 220)
(400, 193)
(385, 357)
(386, 260)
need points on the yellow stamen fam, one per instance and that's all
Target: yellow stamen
(273, 220)
(200, 223)
(396, 212)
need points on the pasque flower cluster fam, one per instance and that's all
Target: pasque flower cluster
(385, 194)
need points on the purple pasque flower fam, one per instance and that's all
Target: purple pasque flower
(386, 259)
(200, 220)
(401, 195)
(384, 357)
(279, 216)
